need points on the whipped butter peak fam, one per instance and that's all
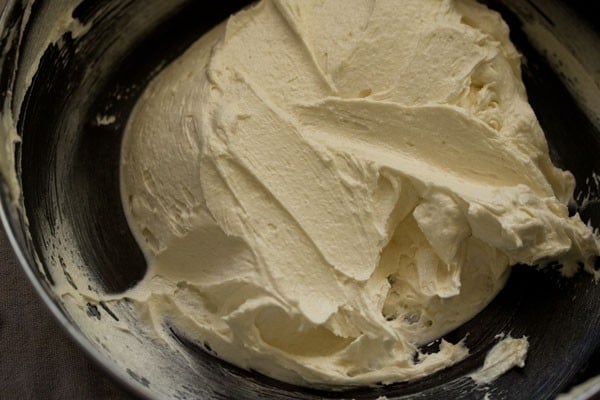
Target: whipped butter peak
(321, 186)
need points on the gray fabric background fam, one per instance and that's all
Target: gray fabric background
(37, 359)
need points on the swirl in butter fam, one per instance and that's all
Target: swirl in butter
(321, 186)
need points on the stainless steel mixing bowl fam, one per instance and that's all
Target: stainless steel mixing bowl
(70, 73)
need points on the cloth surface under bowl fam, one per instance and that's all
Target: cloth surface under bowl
(38, 360)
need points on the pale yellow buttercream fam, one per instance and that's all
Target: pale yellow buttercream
(320, 186)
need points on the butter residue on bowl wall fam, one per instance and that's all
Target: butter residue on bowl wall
(505, 355)
(60, 13)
